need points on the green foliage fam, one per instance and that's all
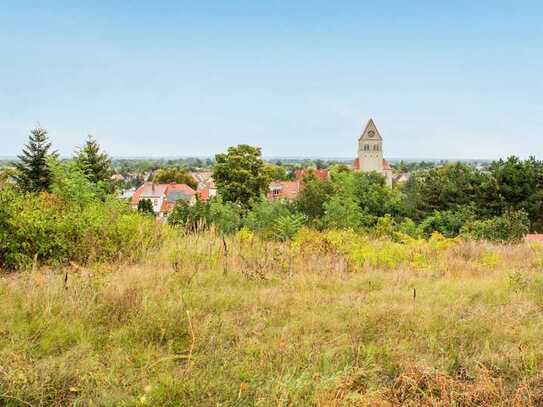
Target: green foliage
(71, 183)
(191, 217)
(145, 207)
(176, 175)
(226, 216)
(509, 185)
(370, 192)
(74, 223)
(275, 172)
(96, 164)
(449, 188)
(520, 185)
(262, 216)
(342, 213)
(511, 227)
(315, 193)
(240, 176)
(286, 226)
(448, 223)
(339, 168)
(33, 174)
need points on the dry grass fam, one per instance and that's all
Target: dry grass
(258, 323)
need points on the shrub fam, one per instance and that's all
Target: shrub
(261, 218)
(145, 207)
(191, 217)
(342, 213)
(511, 227)
(226, 216)
(286, 226)
(448, 223)
(75, 223)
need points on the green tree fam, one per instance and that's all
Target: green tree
(240, 176)
(174, 174)
(342, 213)
(449, 188)
(286, 226)
(511, 227)
(96, 164)
(315, 193)
(262, 216)
(370, 192)
(226, 216)
(70, 183)
(520, 184)
(33, 174)
(276, 172)
(192, 218)
(145, 206)
(448, 223)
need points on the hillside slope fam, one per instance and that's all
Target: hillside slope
(308, 323)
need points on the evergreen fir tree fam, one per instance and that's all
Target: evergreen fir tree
(33, 173)
(95, 163)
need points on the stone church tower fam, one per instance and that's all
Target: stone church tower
(370, 153)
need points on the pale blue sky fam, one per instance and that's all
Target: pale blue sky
(456, 79)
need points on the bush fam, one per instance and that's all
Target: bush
(145, 207)
(511, 227)
(261, 218)
(226, 216)
(342, 213)
(75, 223)
(286, 226)
(448, 223)
(192, 218)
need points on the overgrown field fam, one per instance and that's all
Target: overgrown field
(327, 319)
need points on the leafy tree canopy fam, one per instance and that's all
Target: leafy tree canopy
(276, 172)
(174, 174)
(240, 176)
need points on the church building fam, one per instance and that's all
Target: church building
(370, 153)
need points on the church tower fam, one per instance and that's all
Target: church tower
(370, 149)
(370, 153)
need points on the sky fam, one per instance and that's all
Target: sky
(455, 79)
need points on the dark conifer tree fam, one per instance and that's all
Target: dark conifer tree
(145, 206)
(95, 163)
(33, 175)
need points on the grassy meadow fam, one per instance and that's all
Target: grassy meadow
(328, 319)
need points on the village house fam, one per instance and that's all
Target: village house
(284, 190)
(164, 196)
(206, 184)
(318, 173)
(289, 190)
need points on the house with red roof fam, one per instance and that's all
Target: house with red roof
(164, 196)
(319, 173)
(206, 184)
(284, 190)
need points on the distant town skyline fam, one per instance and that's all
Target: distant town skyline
(180, 79)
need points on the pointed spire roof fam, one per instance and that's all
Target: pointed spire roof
(370, 131)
